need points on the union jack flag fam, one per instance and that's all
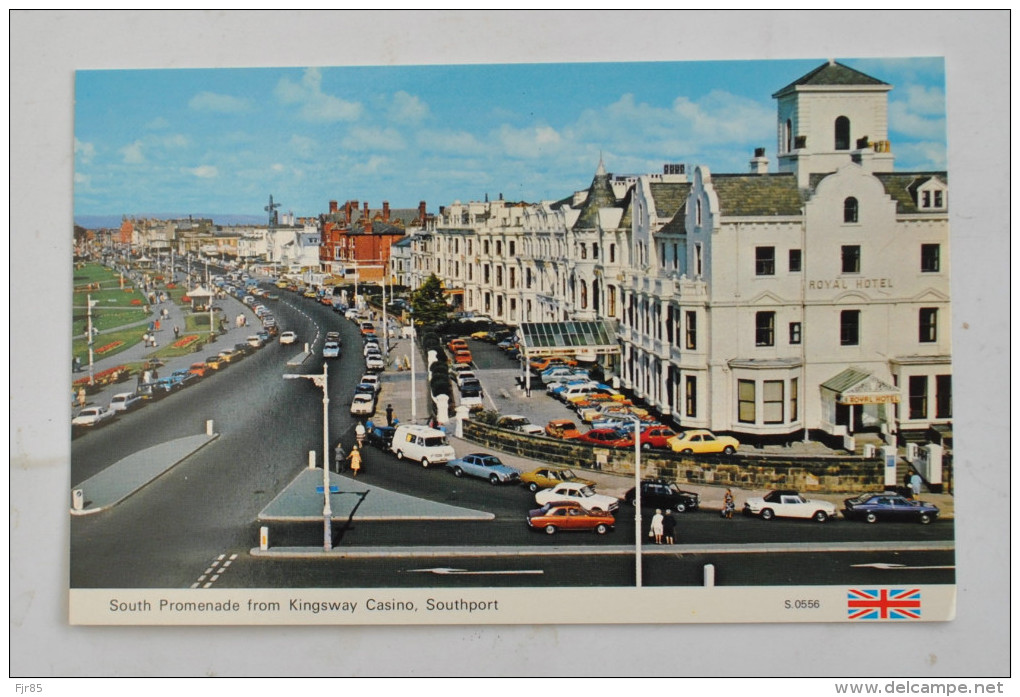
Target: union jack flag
(884, 604)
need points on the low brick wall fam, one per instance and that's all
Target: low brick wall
(838, 473)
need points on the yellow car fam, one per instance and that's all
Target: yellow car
(548, 477)
(702, 441)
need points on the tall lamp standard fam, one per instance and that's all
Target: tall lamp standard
(327, 511)
(637, 498)
(414, 405)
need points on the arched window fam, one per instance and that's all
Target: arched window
(849, 210)
(697, 212)
(842, 133)
(584, 295)
(788, 136)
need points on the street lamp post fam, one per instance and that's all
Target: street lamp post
(637, 498)
(414, 405)
(327, 511)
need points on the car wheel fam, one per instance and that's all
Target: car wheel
(820, 516)
(924, 518)
(871, 518)
(680, 508)
(493, 479)
(633, 501)
(646, 446)
(767, 514)
(601, 529)
(400, 454)
(729, 450)
(425, 462)
(550, 529)
(458, 472)
(533, 487)
(686, 451)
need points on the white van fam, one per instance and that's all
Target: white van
(427, 445)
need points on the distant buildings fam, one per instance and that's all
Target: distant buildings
(358, 241)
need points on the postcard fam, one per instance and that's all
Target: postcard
(415, 344)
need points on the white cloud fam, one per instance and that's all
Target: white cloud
(407, 108)
(303, 145)
(532, 142)
(363, 139)
(133, 153)
(904, 119)
(204, 171)
(314, 104)
(374, 165)
(175, 140)
(83, 151)
(221, 103)
(158, 123)
(449, 142)
(928, 155)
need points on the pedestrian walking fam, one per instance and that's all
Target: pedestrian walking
(157, 325)
(656, 529)
(355, 461)
(915, 484)
(76, 365)
(81, 396)
(177, 331)
(729, 505)
(339, 456)
(669, 527)
(359, 434)
(389, 415)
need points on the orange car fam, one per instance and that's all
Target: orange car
(457, 345)
(562, 428)
(541, 364)
(569, 515)
(200, 369)
(462, 356)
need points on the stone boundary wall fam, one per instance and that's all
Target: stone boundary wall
(838, 473)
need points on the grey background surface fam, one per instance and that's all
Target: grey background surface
(46, 48)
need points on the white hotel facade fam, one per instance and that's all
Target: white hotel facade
(771, 305)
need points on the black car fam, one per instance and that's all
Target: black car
(888, 506)
(658, 493)
(380, 436)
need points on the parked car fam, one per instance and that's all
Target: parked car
(789, 504)
(333, 336)
(365, 388)
(288, 338)
(562, 428)
(184, 377)
(201, 369)
(548, 477)
(371, 379)
(658, 493)
(607, 438)
(331, 349)
(371, 346)
(126, 401)
(701, 441)
(374, 361)
(362, 404)
(581, 493)
(456, 345)
(462, 356)
(484, 466)
(656, 437)
(521, 424)
(540, 364)
(92, 416)
(380, 436)
(215, 362)
(569, 515)
(231, 355)
(462, 375)
(562, 374)
(889, 506)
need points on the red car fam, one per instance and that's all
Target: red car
(200, 369)
(608, 437)
(569, 515)
(656, 437)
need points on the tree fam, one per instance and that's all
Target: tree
(428, 304)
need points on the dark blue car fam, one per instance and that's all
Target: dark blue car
(889, 506)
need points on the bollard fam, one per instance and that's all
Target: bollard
(311, 459)
(709, 575)
(264, 538)
(306, 347)
(78, 499)
(209, 427)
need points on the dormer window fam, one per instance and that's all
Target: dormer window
(931, 195)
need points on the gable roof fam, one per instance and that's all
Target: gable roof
(668, 197)
(757, 194)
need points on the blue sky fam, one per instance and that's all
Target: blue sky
(223, 140)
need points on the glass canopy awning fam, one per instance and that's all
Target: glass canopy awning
(548, 338)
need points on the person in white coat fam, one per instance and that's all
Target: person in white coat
(656, 530)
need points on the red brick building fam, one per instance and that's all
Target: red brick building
(354, 238)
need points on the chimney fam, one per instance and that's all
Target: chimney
(347, 213)
(421, 213)
(386, 211)
(366, 221)
(759, 163)
(332, 207)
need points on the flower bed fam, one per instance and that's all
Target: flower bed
(105, 377)
(186, 341)
(136, 301)
(109, 347)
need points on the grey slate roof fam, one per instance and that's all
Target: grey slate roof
(757, 194)
(899, 185)
(600, 195)
(831, 74)
(668, 197)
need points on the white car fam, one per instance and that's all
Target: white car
(464, 375)
(789, 504)
(126, 401)
(521, 424)
(331, 349)
(371, 379)
(374, 361)
(580, 492)
(288, 338)
(362, 405)
(92, 416)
